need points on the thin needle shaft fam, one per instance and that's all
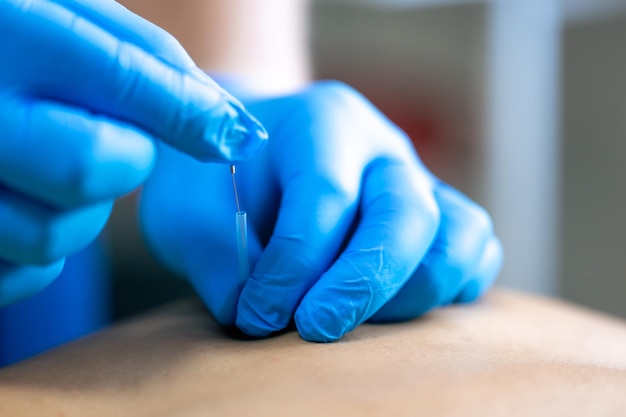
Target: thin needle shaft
(232, 172)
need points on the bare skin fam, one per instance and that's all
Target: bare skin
(262, 41)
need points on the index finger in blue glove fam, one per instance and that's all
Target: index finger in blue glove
(83, 64)
(399, 221)
(123, 24)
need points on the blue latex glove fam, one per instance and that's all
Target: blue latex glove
(85, 88)
(346, 224)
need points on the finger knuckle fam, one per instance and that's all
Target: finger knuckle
(344, 189)
(480, 219)
(338, 90)
(83, 165)
(44, 247)
(332, 96)
(428, 214)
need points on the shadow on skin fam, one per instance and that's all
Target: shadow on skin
(139, 349)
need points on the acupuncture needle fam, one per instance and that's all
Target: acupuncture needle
(242, 233)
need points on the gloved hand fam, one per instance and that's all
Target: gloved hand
(345, 223)
(85, 88)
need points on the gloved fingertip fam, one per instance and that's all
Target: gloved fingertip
(254, 327)
(248, 123)
(337, 304)
(252, 322)
(320, 325)
(234, 135)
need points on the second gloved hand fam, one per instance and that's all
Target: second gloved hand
(346, 224)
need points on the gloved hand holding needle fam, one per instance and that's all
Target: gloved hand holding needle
(346, 224)
(86, 87)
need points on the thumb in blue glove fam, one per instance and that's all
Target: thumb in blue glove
(85, 89)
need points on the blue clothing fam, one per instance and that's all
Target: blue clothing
(75, 304)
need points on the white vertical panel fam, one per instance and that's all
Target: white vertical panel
(521, 170)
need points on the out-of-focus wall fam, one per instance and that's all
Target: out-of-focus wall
(594, 163)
